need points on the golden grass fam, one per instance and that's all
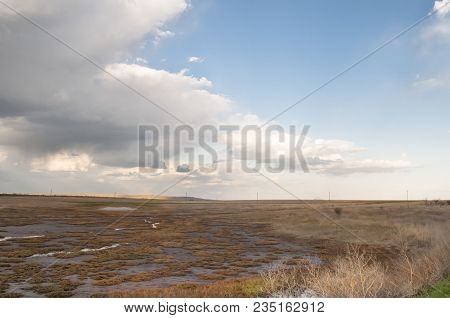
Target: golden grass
(243, 288)
(422, 267)
(423, 260)
(354, 275)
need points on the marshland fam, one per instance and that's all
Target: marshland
(54, 246)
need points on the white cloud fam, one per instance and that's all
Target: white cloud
(140, 60)
(196, 59)
(102, 27)
(77, 106)
(3, 155)
(329, 148)
(337, 157)
(439, 28)
(187, 97)
(428, 83)
(121, 174)
(161, 35)
(350, 166)
(443, 7)
(64, 162)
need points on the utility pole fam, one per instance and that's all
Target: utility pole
(257, 196)
(407, 197)
(329, 198)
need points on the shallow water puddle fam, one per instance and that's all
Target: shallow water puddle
(117, 209)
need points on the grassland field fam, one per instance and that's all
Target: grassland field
(126, 247)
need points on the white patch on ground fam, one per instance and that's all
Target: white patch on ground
(299, 293)
(117, 208)
(7, 238)
(86, 250)
(48, 254)
(119, 229)
(154, 225)
(308, 293)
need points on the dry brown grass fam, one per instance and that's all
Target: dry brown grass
(281, 281)
(423, 260)
(242, 288)
(354, 275)
(416, 235)
(423, 264)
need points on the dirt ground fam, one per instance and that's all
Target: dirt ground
(79, 247)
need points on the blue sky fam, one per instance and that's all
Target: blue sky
(266, 55)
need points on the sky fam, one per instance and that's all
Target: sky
(377, 131)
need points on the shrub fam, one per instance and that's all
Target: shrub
(354, 275)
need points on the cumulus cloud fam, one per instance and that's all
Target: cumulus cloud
(53, 100)
(64, 162)
(442, 6)
(97, 28)
(324, 156)
(3, 155)
(196, 59)
(439, 28)
(77, 106)
(140, 60)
